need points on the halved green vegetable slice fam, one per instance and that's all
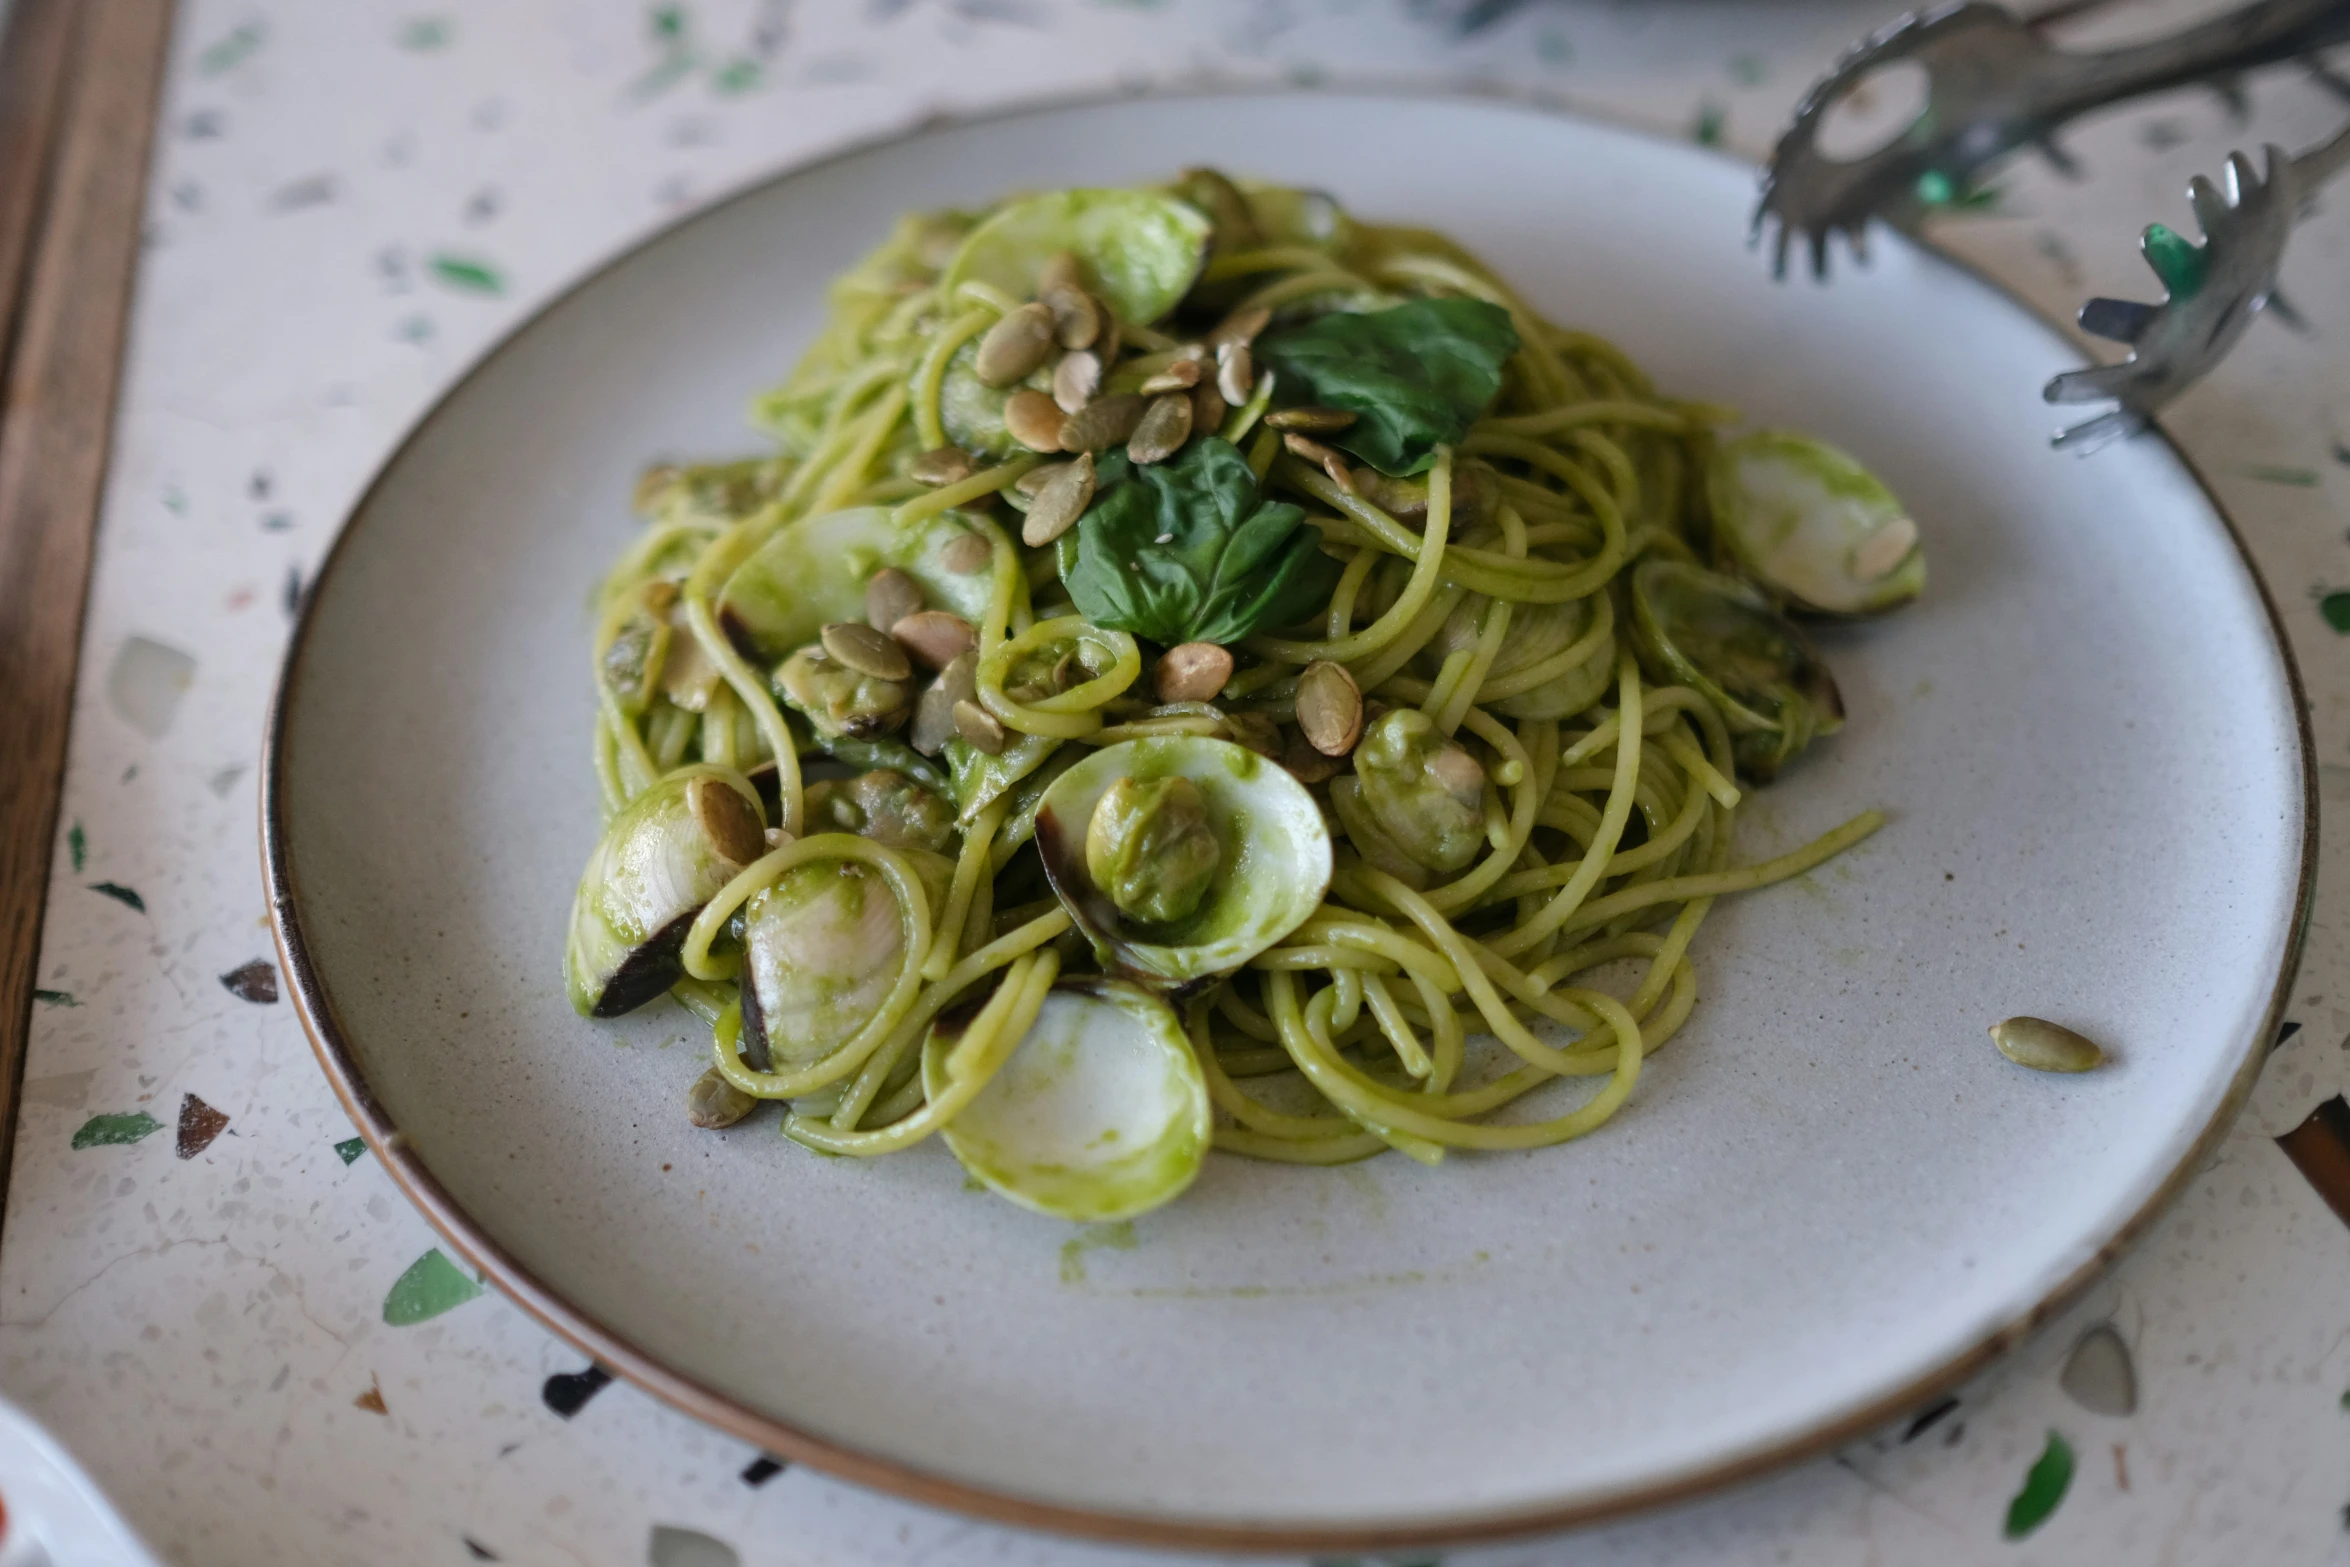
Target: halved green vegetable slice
(661, 858)
(1100, 1113)
(1271, 867)
(1722, 637)
(1813, 526)
(814, 573)
(1139, 250)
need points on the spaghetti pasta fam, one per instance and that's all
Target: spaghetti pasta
(1528, 834)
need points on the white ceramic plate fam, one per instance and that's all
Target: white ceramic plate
(1828, 1198)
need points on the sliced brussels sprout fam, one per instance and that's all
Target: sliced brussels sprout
(715, 493)
(1137, 249)
(866, 753)
(634, 659)
(814, 572)
(1289, 215)
(1723, 638)
(1270, 867)
(886, 806)
(1100, 1113)
(1813, 526)
(1423, 791)
(1150, 848)
(661, 858)
(1537, 632)
(821, 951)
(841, 702)
(980, 779)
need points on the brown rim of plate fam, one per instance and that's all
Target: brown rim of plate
(616, 1354)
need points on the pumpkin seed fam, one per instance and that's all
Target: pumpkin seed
(1242, 326)
(1208, 409)
(935, 637)
(1310, 419)
(968, 555)
(942, 465)
(1192, 672)
(934, 715)
(1034, 479)
(1315, 452)
(1077, 316)
(1101, 424)
(890, 596)
(979, 727)
(726, 819)
(2044, 1046)
(1015, 346)
(1329, 707)
(1235, 372)
(713, 1102)
(1163, 430)
(1075, 379)
(1060, 503)
(865, 650)
(1181, 376)
(1034, 420)
(1060, 270)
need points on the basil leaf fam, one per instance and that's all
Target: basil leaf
(1416, 376)
(1189, 550)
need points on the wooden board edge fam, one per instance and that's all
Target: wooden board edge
(57, 402)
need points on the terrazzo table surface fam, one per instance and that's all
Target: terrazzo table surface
(216, 1300)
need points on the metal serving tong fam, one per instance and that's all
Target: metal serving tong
(1996, 84)
(2213, 291)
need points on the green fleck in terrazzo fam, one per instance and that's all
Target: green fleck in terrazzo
(2279, 473)
(1706, 128)
(2044, 1487)
(350, 1148)
(433, 1284)
(231, 50)
(2336, 609)
(468, 275)
(120, 894)
(55, 998)
(424, 34)
(108, 1131)
(77, 846)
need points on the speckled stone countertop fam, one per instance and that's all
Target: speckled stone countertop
(219, 1302)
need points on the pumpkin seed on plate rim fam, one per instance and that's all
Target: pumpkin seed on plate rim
(2044, 1046)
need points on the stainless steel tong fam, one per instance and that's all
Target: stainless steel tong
(1994, 84)
(2212, 291)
